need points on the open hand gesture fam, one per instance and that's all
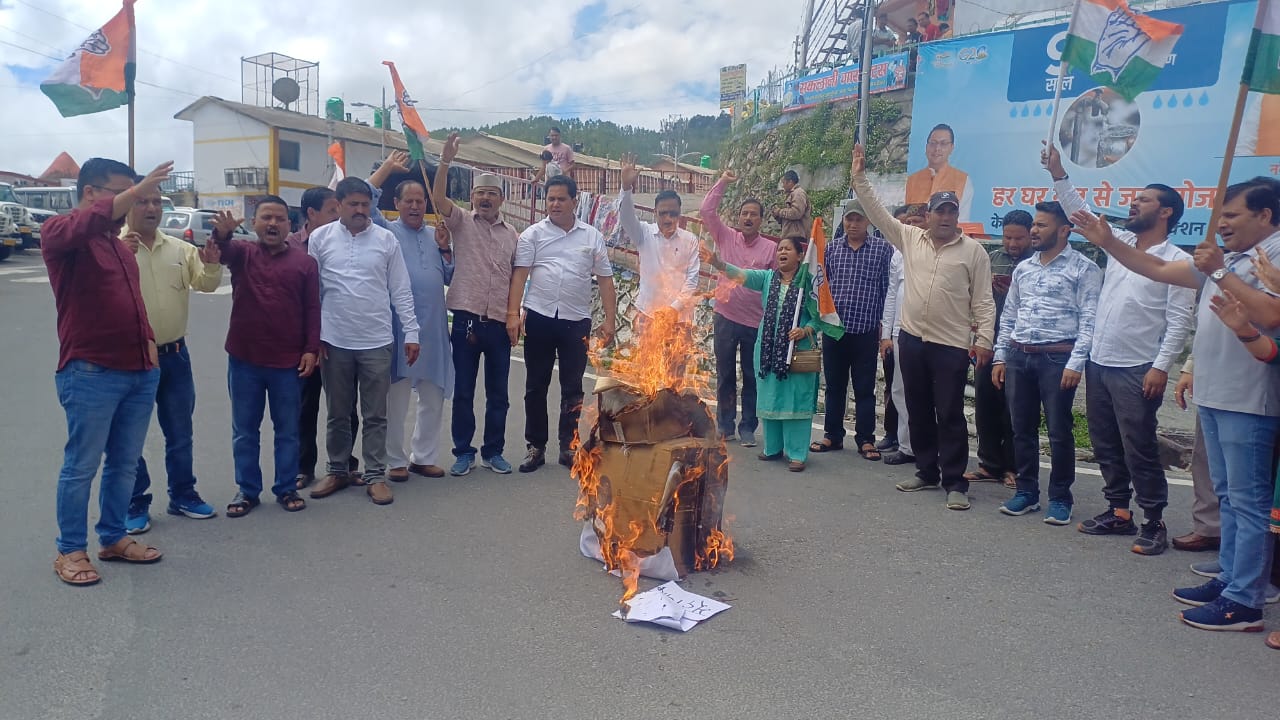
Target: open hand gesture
(629, 172)
(1231, 311)
(1267, 272)
(859, 164)
(398, 160)
(1093, 228)
(211, 254)
(450, 150)
(224, 225)
(153, 179)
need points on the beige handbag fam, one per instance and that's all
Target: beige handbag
(806, 361)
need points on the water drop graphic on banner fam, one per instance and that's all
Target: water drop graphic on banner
(1187, 101)
(1204, 98)
(1158, 103)
(1172, 102)
(1025, 111)
(1013, 111)
(1036, 113)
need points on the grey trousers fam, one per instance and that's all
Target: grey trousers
(366, 373)
(1122, 427)
(1205, 520)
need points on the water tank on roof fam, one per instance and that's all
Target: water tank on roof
(705, 161)
(334, 109)
(377, 117)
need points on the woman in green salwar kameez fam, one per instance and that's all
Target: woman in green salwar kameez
(785, 400)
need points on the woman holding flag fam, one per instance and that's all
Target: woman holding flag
(787, 348)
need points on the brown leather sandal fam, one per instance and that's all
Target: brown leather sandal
(130, 551)
(74, 568)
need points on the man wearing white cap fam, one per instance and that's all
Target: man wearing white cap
(484, 249)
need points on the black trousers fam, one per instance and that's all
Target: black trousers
(995, 431)
(852, 357)
(1122, 428)
(890, 410)
(933, 378)
(545, 340)
(308, 427)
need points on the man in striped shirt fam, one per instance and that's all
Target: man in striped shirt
(857, 268)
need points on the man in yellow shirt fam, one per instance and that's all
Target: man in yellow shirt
(168, 269)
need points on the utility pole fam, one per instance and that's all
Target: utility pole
(802, 61)
(864, 70)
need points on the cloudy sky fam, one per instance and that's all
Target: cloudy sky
(466, 63)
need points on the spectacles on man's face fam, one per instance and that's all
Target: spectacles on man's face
(669, 213)
(113, 191)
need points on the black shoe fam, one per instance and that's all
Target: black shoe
(897, 457)
(566, 458)
(536, 458)
(1108, 523)
(887, 444)
(1153, 540)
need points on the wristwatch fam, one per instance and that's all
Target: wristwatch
(1217, 275)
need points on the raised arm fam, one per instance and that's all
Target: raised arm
(710, 256)
(70, 232)
(1070, 200)
(440, 183)
(397, 161)
(1179, 319)
(709, 211)
(230, 252)
(1263, 307)
(1099, 232)
(879, 216)
(202, 276)
(632, 229)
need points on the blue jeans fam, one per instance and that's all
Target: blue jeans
(1033, 380)
(734, 343)
(108, 412)
(253, 388)
(1239, 447)
(175, 404)
(471, 338)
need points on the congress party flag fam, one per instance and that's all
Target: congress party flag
(1262, 66)
(821, 304)
(339, 164)
(99, 74)
(1117, 47)
(414, 131)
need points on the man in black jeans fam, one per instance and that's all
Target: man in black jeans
(557, 257)
(857, 271)
(1045, 337)
(990, 409)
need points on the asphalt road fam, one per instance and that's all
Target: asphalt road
(467, 598)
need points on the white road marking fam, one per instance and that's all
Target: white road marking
(41, 279)
(20, 270)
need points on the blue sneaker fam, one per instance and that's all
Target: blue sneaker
(497, 463)
(1208, 568)
(464, 465)
(137, 521)
(1059, 513)
(1224, 614)
(1200, 594)
(192, 506)
(1020, 504)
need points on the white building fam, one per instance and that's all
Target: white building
(243, 152)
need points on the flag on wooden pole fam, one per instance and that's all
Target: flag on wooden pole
(99, 75)
(1262, 65)
(414, 131)
(1117, 47)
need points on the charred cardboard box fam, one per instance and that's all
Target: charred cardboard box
(661, 474)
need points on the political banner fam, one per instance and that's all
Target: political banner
(887, 73)
(983, 105)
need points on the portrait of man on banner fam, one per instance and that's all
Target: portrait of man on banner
(938, 174)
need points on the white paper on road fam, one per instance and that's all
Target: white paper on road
(658, 567)
(671, 606)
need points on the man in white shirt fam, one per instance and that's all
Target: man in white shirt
(669, 261)
(1141, 327)
(557, 257)
(890, 325)
(362, 276)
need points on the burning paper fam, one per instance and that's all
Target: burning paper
(671, 606)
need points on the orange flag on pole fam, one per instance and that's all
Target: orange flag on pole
(414, 131)
(821, 304)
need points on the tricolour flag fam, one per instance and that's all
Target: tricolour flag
(1118, 47)
(339, 164)
(414, 131)
(1262, 67)
(820, 303)
(99, 74)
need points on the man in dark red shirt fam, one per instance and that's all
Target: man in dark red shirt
(273, 344)
(107, 369)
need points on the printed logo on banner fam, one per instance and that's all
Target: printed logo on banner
(973, 54)
(942, 60)
(1037, 55)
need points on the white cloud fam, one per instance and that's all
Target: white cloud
(468, 64)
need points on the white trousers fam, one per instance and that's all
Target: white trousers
(424, 447)
(899, 402)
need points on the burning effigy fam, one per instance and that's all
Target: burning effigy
(652, 474)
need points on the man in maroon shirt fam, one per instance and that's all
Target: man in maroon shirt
(107, 366)
(273, 344)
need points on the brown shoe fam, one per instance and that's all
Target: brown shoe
(380, 493)
(330, 484)
(432, 471)
(398, 474)
(1191, 542)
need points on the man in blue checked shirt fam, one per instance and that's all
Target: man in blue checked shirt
(1046, 332)
(857, 267)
